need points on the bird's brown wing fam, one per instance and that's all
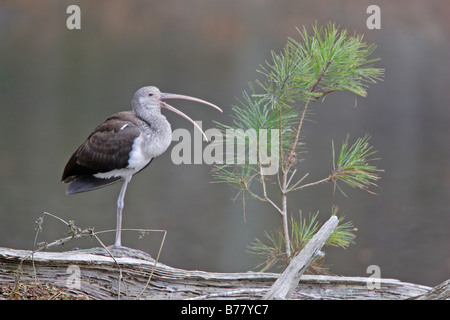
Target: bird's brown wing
(106, 149)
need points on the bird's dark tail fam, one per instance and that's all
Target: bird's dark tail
(89, 182)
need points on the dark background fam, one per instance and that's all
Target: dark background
(57, 84)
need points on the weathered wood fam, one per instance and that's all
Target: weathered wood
(127, 276)
(286, 283)
(440, 292)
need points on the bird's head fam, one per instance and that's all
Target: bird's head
(151, 99)
(146, 97)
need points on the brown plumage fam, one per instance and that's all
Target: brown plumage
(106, 149)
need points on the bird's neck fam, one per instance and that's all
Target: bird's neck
(156, 129)
(153, 118)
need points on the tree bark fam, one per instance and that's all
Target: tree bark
(132, 274)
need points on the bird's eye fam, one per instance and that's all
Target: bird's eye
(150, 94)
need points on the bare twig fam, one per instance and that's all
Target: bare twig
(297, 183)
(77, 232)
(328, 179)
(154, 266)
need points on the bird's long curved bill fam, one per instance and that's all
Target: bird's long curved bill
(183, 97)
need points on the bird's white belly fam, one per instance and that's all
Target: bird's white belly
(140, 155)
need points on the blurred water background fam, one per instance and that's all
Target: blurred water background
(57, 84)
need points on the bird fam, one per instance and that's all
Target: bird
(123, 145)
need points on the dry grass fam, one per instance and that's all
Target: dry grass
(38, 291)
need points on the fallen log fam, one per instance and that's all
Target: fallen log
(131, 274)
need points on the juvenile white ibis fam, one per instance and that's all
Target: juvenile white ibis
(123, 145)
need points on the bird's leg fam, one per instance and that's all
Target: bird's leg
(120, 205)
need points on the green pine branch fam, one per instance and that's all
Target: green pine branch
(319, 63)
(353, 164)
